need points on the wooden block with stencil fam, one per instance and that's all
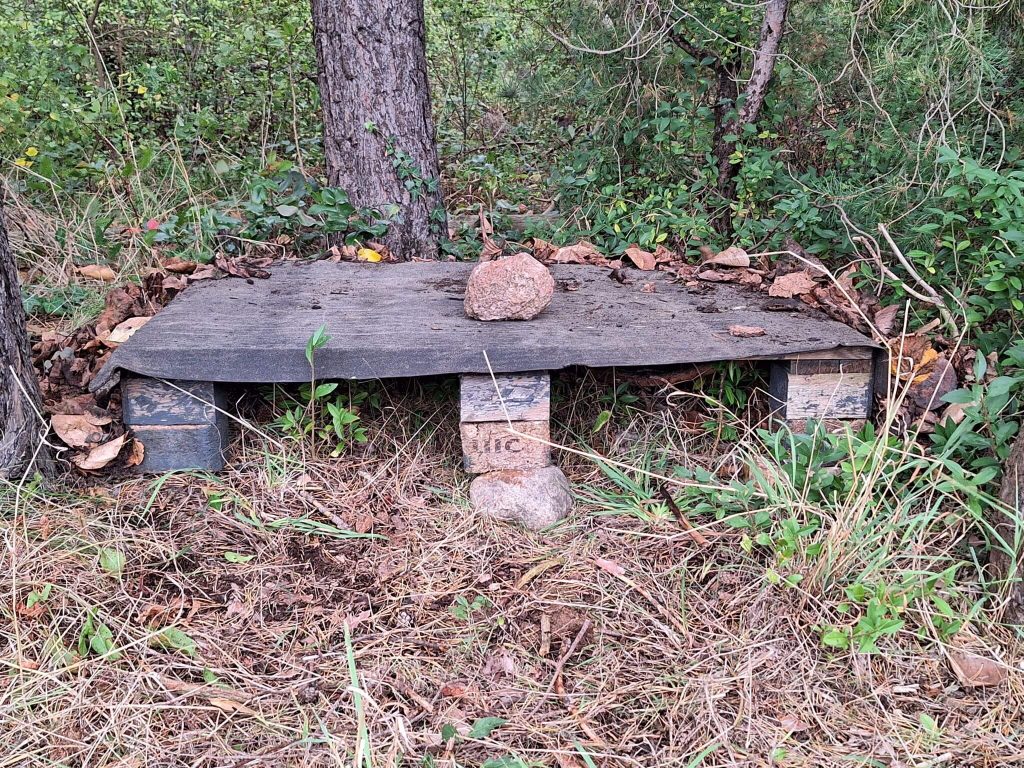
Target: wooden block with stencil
(504, 421)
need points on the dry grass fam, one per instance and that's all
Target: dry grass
(611, 640)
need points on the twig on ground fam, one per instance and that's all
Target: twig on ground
(696, 535)
(560, 664)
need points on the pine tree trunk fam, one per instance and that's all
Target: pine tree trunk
(20, 428)
(1005, 568)
(378, 130)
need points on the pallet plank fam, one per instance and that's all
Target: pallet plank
(401, 320)
(826, 396)
(151, 401)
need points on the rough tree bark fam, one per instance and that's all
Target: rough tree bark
(1006, 569)
(20, 429)
(378, 129)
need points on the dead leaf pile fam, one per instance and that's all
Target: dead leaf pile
(247, 267)
(66, 364)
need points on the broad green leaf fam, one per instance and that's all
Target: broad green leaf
(112, 561)
(834, 638)
(482, 728)
(173, 639)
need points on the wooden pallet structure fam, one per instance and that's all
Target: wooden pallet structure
(407, 320)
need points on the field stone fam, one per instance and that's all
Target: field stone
(514, 288)
(536, 498)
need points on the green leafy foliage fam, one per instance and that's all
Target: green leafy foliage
(96, 638)
(112, 561)
(483, 727)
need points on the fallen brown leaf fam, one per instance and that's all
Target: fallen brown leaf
(500, 663)
(663, 255)
(739, 275)
(136, 453)
(582, 252)
(793, 724)
(230, 706)
(124, 330)
(733, 256)
(204, 272)
(793, 284)
(885, 318)
(174, 283)
(610, 566)
(97, 272)
(179, 266)
(642, 259)
(454, 690)
(911, 357)
(542, 249)
(940, 380)
(343, 253)
(976, 671)
(78, 430)
(717, 276)
(100, 456)
(491, 249)
(244, 267)
(746, 331)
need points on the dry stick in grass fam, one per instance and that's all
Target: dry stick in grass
(560, 664)
(696, 535)
(932, 295)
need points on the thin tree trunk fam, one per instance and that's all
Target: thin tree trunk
(727, 71)
(378, 129)
(772, 29)
(20, 428)
(1005, 568)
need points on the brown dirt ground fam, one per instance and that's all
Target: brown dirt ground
(686, 652)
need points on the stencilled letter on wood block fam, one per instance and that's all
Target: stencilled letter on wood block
(822, 389)
(490, 445)
(526, 397)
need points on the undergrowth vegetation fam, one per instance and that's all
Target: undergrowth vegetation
(330, 601)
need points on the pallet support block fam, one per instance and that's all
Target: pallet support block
(488, 405)
(181, 424)
(515, 477)
(822, 389)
